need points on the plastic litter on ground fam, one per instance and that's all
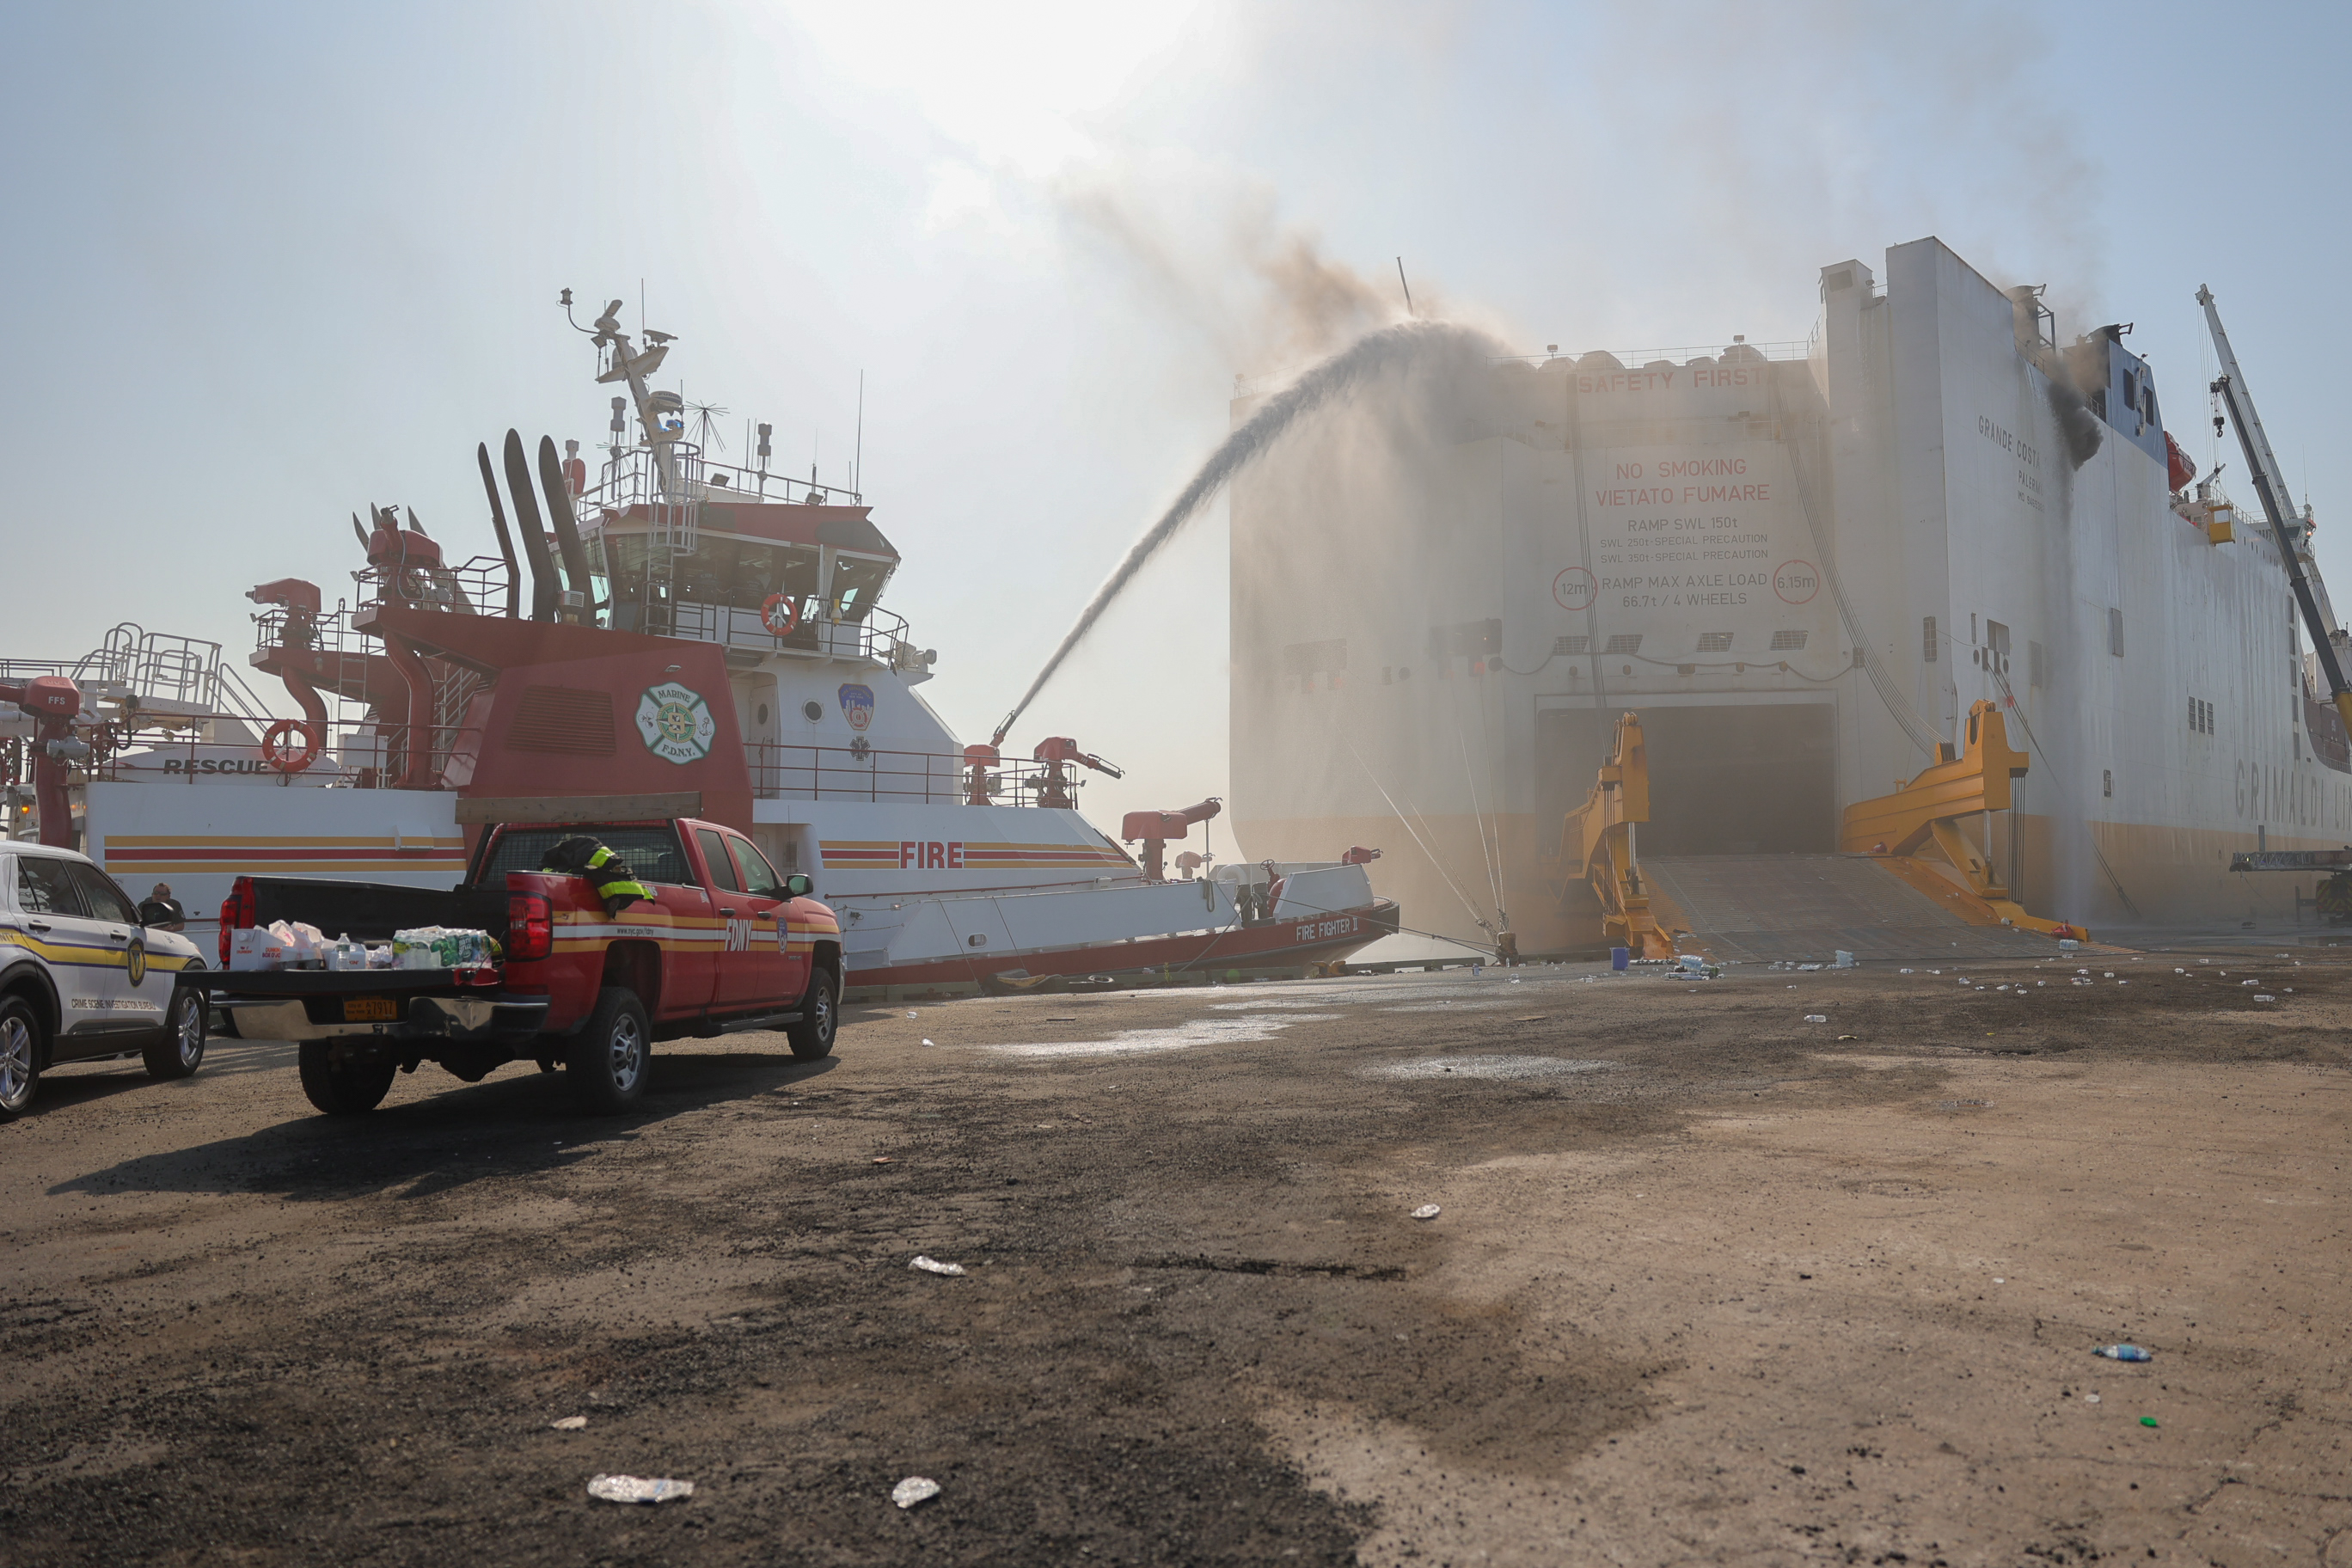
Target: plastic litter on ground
(638, 1489)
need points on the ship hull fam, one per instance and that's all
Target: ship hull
(938, 908)
(1278, 943)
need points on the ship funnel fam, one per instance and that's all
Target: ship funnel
(505, 541)
(567, 531)
(545, 583)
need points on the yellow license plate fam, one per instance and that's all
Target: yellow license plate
(369, 1010)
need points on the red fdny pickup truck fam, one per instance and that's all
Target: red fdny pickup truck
(724, 943)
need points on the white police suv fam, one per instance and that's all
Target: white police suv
(82, 976)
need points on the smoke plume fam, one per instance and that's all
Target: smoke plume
(1262, 291)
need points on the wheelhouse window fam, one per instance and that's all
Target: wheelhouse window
(856, 583)
(733, 574)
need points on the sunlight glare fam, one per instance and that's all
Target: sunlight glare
(1018, 85)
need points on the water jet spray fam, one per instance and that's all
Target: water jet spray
(1405, 344)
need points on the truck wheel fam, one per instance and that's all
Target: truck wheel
(20, 1054)
(608, 1059)
(343, 1088)
(812, 1038)
(182, 1048)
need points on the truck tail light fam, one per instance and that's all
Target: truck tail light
(531, 927)
(236, 913)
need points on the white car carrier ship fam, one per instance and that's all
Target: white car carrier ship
(1809, 569)
(698, 639)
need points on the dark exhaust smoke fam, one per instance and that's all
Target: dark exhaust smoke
(2084, 430)
(2081, 429)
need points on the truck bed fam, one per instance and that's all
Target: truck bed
(372, 911)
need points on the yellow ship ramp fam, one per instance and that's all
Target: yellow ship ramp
(1908, 884)
(1804, 907)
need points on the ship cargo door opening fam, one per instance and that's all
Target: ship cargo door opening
(1757, 778)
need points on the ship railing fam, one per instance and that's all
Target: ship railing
(94, 673)
(329, 632)
(633, 478)
(79, 670)
(354, 754)
(877, 634)
(351, 754)
(167, 667)
(154, 667)
(859, 772)
(235, 695)
(477, 587)
(370, 756)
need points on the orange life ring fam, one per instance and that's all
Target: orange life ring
(779, 608)
(274, 753)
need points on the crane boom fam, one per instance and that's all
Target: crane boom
(2270, 485)
(2264, 462)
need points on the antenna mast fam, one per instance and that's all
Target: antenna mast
(661, 418)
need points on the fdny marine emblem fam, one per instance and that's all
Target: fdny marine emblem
(676, 722)
(857, 706)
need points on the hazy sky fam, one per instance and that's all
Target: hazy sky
(267, 264)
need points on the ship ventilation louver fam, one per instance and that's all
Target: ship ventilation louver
(562, 721)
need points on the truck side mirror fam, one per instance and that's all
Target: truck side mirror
(798, 885)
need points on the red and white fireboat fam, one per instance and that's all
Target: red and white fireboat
(666, 635)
